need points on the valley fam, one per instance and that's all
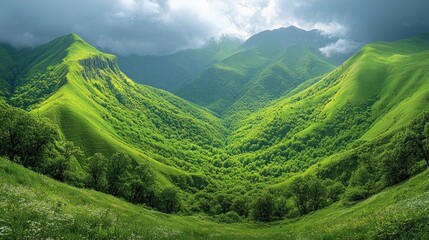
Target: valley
(231, 147)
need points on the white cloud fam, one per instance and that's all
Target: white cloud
(342, 46)
(331, 29)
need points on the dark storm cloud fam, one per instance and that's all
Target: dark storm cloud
(367, 20)
(164, 26)
(127, 26)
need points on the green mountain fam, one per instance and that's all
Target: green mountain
(369, 97)
(170, 71)
(101, 110)
(6, 63)
(96, 106)
(303, 140)
(268, 66)
(271, 42)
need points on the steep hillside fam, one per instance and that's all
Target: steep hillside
(375, 93)
(269, 65)
(170, 71)
(294, 67)
(101, 110)
(7, 70)
(325, 128)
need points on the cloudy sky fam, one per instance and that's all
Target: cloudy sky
(165, 26)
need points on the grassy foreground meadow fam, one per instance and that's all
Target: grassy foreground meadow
(33, 206)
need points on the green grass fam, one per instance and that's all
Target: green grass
(294, 66)
(374, 94)
(249, 80)
(324, 120)
(101, 110)
(34, 206)
(377, 91)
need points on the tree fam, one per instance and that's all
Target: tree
(145, 173)
(69, 150)
(403, 158)
(142, 189)
(280, 206)
(317, 192)
(224, 203)
(66, 166)
(97, 171)
(425, 143)
(169, 200)
(203, 201)
(57, 167)
(309, 193)
(25, 139)
(420, 128)
(300, 191)
(241, 205)
(334, 190)
(11, 131)
(355, 193)
(118, 173)
(263, 207)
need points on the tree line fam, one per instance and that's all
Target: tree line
(36, 143)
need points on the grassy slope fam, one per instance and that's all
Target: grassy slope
(220, 85)
(295, 66)
(35, 206)
(373, 94)
(269, 65)
(101, 110)
(377, 78)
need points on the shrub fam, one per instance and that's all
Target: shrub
(354, 194)
(263, 207)
(118, 174)
(240, 205)
(309, 193)
(229, 217)
(169, 201)
(97, 172)
(400, 163)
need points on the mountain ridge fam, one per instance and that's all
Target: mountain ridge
(309, 123)
(86, 67)
(220, 86)
(96, 105)
(170, 71)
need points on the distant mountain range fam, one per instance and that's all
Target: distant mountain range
(169, 72)
(236, 79)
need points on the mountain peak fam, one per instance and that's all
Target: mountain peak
(277, 40)
(72, 36)
(70, 39)
(74, 46)
(291, 28)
